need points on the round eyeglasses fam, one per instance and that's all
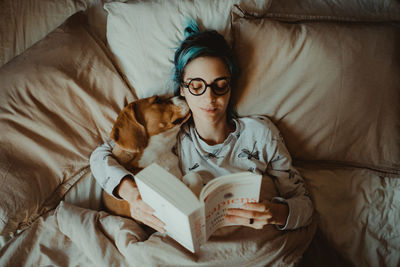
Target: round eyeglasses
(197, 86)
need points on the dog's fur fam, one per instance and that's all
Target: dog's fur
(145, 132)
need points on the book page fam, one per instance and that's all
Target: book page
(230, 191)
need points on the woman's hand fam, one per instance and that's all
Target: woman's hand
(257, 215)
(139, 210)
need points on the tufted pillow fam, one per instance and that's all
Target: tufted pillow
(332, 88)
(143, 36)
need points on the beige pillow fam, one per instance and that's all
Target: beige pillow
(343, 10)
(143, 36)
(24, 22)
(333, 89)
(58, 102)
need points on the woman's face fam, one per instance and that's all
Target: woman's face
(208, 107)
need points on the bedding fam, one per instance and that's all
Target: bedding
(359, 211)
(35, 20)
(166, 19)
(334, 115)
(335, 104)
(339, 10)
(71, 236)
(51, 118)
(63, 88)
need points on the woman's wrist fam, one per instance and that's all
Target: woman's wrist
(281, 212)
(125, 187)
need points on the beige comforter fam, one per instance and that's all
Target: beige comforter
(74, 236)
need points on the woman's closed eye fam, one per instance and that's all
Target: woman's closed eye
(221, 84)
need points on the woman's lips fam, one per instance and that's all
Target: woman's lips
(209, 109)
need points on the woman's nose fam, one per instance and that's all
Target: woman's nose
(209, 95)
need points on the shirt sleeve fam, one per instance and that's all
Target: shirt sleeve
(106, 169)
(289, 182)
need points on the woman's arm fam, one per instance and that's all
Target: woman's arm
(290, 185)
(293, 208)
(106, 169)
(120, 183)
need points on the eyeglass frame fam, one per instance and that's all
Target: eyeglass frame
(211, 85)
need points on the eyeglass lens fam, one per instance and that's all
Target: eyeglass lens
(198, 86)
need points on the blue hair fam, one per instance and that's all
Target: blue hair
(202, 43)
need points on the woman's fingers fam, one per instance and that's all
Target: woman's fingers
(155, 223)
(260, 213)
(252, 222)
(145, 207)
(249, 214)
(250, 218)
(255, 215)
(261, 207)
(142, 212)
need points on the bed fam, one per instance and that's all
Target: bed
(326, 72)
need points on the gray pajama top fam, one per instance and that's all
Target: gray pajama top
(256, 145)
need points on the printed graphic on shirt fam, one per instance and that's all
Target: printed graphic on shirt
(213, 155)
(250, 154)
(195, 166)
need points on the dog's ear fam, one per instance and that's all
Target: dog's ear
(127, 132)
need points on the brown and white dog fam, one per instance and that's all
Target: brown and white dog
(145, 132)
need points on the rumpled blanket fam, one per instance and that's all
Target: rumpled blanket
(74, 236)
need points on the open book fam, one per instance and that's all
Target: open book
(188, 219)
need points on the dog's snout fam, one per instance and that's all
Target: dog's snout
(180, 102)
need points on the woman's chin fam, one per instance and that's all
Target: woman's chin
(209, 113)
(209, 116)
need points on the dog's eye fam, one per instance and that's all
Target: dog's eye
(157, 100)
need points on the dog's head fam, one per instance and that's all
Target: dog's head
(140, 120)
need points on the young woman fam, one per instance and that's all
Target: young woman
(215, 142)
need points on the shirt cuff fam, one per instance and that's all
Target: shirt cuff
(299, 214)
(113, 180)
(282, 201)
